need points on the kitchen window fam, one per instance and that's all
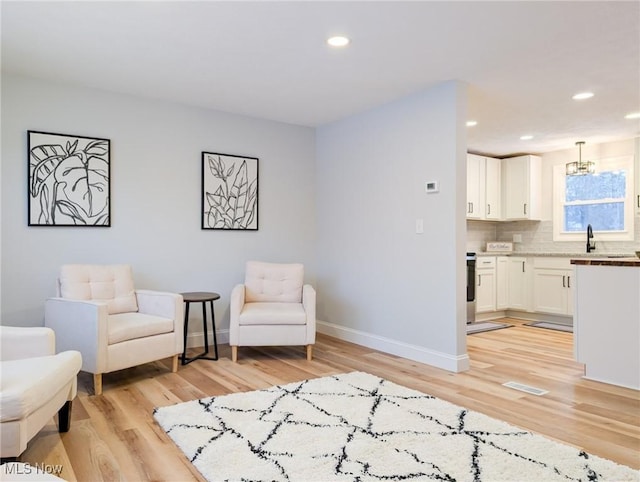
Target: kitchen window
(603, 199)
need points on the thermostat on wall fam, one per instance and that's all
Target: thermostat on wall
(432, 186)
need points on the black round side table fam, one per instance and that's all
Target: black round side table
(200, 297)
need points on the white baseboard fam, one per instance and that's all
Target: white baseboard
(493, 315)
(395, 347)
(196, 339)
(525, 315)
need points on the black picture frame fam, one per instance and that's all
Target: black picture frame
(229, 192)
(69, 180)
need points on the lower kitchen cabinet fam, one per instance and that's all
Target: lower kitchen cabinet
(502, 283)
(520, 280)
(552, 286)
(526, 284)
(486, 284)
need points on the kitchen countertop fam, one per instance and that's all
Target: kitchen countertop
(609, 256)
(631, 261)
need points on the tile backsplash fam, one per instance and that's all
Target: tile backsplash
(479, 233)
(537, 236)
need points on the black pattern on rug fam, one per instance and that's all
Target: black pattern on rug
(359, 427)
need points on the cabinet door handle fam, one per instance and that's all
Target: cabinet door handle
(471, 207)
(563, 281)
(523, 266)
(639, 200)
(479, 280)
(568, 281)
(488, 208)
(525, 208)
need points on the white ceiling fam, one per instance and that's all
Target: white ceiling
(521, 60)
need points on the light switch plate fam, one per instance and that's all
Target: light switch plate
(419, 226)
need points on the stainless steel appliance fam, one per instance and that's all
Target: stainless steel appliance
(471, 287)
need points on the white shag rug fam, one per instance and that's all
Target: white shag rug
(358, 427)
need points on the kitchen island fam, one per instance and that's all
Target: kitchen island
(607, 319)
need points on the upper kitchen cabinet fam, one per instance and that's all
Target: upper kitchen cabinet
(475, 186)
(493, 188)
(522, 188)
(483, 187)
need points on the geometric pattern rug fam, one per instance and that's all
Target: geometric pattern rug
(358, 427)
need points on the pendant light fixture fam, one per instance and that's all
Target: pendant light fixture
(580, 167)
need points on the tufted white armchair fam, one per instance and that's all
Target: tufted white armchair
(35, 384)
(99, 313)
(272, 307)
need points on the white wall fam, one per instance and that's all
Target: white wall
(383, 285)
(155, 196)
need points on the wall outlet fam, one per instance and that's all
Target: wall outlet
(517, 238)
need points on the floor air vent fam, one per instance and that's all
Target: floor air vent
(525, 388)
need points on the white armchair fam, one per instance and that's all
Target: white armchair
(272, 307)
(35, 384)
(99, 313)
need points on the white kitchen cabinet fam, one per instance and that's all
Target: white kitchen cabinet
(475, 186)
(502, 283)
(483, 187)
(522, 188)
(520, 280)
(493, 189)
(552, 286)
(485, 284)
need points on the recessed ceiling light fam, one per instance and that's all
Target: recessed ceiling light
(472, 123)
(338, 41)
(526, 138)
(633, 115)
(583, 95)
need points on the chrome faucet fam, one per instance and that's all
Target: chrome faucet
(590, 247)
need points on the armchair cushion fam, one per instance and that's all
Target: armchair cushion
(29, 383)
(273, 282)
(112, 284)
(273, 314)
(129, 326)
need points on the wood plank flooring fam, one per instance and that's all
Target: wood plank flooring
(114, 436)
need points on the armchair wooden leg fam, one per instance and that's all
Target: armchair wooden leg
(64, 417)
(234, 353)
(174, 364)
(97, 383)
(309, 352)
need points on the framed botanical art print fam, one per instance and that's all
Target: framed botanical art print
(229, 192)
(69, 180)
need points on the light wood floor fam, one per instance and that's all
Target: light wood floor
(114, 436)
